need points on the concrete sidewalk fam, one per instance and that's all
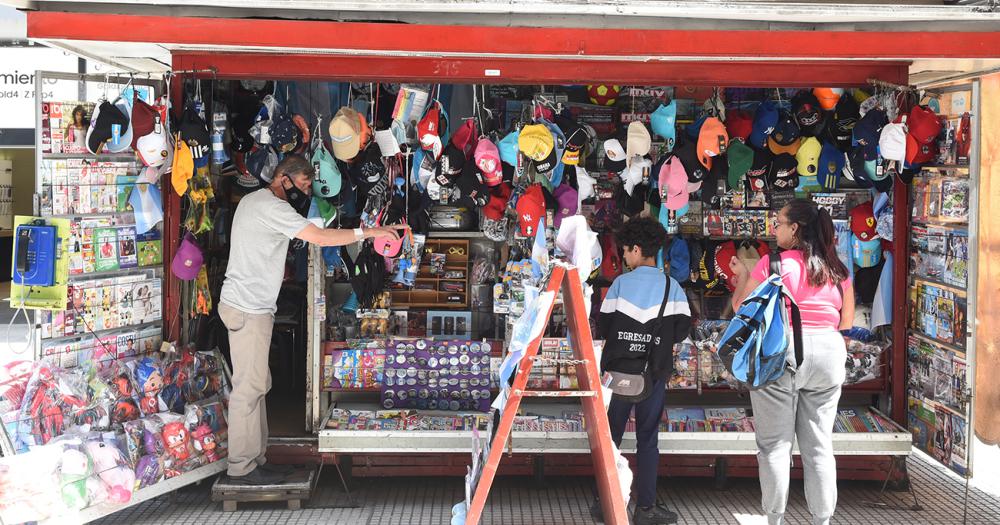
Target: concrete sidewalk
(565, 501)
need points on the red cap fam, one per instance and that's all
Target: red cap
(464, 137)
(498, 202)
(924, 124)
(917, 153)
(863, 221)
(739, 124)
(724, 253)
(530, 209)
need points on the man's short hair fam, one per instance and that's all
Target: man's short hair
(646, 233)
(293, 165)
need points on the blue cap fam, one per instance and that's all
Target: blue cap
(866, 253)
(680, 260)
(694, 129)
(831, 163)
(508, 148)
(559, 140)
(663, 122)
(867, 132)
(764, 121)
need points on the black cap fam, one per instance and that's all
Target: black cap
(450, 165)
(760, 170)
(808, 113)
(105, 116)
(474, 193)
(784, 172)
(687, 152)
(194, 132)
(841, 126)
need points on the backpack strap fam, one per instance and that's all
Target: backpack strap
(658, 323)
(775, 263)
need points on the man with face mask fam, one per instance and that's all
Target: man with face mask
(264, 222)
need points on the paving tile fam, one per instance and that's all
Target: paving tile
(566, 501)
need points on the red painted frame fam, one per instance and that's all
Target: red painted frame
(706, 58)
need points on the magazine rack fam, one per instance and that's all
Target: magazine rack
(567, 280)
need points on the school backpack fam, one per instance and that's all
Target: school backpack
(755, 344)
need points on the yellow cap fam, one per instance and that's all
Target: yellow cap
(536, 142)
(182, 169)
(808, 157)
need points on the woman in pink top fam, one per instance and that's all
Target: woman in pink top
(803, 403)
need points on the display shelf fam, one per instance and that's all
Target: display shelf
(936, 282)
(936, 342)
(897, 443)
(107, 157)
(455, 235)
(168, 485)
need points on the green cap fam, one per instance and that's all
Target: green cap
(740, 160)
(326, 210)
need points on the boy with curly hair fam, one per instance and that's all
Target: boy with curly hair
(627, 321)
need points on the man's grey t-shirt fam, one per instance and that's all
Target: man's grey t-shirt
(262, 227)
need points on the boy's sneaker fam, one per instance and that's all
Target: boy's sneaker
(656, 515)
(596, 511)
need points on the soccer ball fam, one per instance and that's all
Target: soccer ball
(603, 95)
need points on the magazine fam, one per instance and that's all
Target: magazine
(954, 200)
(106, 249)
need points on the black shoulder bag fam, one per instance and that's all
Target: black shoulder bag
(635, 388)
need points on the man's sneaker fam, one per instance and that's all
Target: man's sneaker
(282, 470)
(257, 476)
(656, 515)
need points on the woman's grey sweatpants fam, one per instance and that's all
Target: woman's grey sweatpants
(801, 405)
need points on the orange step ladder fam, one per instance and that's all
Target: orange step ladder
(566, 279)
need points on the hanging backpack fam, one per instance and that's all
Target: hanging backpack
(755, 344)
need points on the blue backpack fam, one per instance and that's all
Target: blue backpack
(755, 344)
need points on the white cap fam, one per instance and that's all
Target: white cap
(152, 149)
(892, 142)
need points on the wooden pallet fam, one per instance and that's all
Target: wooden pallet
(296, 488)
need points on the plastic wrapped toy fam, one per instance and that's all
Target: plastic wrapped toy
(177, 373)
(148, 382)
(204, 442)
(125, 407)
(112, 469)
(74, 469)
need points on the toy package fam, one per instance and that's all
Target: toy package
(52, 399)
(177, 372)
(126, 406)
(148, 377)
(111, 467)
(209, 430)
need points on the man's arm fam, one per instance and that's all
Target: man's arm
(333, 237)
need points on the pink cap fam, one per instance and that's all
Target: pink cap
(487, 158)
(676, 182)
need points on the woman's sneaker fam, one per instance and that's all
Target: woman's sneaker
(656, 515)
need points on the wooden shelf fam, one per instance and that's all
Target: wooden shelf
(437, 298)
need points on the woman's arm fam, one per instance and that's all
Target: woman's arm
(744, 283)
(847, 310)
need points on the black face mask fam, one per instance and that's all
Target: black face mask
(297, 198)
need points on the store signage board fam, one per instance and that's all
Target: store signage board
(17, 88)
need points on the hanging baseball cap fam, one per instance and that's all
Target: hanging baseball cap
(663, 121)
(842, 121)
(924, 125)
(866, 254)
(285, 134)
(764, 120)
(431, 129)
(450, 166)
(555, 167)
(724, 253)
(326, 183)
(188, 259)
(867, 131)
(530, 209)
(862, 220)
(464, 137)
(785, 136)
(712, 141)
(637, 142)
(687, 152)
(831, 163)
(182, 168)
(693, 129)
(614, 155)
(143, 121)
(808, 115)
(260, 163)
(345, 134)
(569, 202)
(892, 142)
(783, 174)
(633, 175)
(808, 156)
(740, 157)
(757, 175)
(103, 122)
(153, 149)
(673, 183)
(536, 142)
(474, 193)
(195, 132)
(576, 139)
(680, 259)
(123, 141)
(487, 158)
(739, 124)
(827, 97)
(916, 156)
(508, 148)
